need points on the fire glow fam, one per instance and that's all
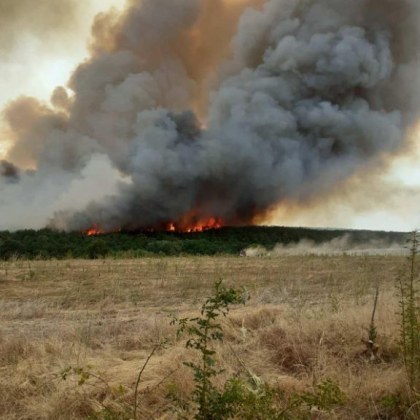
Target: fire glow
(94, 230)
(201, 226)
(213, 223)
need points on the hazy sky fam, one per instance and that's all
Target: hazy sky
(40, 52)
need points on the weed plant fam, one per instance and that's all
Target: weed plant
(204, 331)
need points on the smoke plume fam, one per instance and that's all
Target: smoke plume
(342, 245)
(219, 110)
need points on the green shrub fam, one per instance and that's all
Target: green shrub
(325, 396)
(97, 249)
(204, 331)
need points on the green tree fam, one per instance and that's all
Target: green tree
(97, 249)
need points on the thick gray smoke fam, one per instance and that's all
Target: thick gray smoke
(313, 91)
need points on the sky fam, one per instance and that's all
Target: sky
(50, 54)
(389, 200)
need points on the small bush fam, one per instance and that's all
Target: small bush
(204, 331)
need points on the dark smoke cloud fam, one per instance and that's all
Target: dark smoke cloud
(313, 92)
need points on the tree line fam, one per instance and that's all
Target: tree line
(46, 243)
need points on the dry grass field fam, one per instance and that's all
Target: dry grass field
(305, 322)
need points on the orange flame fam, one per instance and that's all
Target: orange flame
(188, 224)
(94, 230)
(212, 223)
(171, 227)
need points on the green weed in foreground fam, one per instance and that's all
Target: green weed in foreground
(204, 331)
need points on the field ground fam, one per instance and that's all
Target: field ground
(304, 322)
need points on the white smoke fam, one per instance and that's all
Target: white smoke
(342, 245)
(314, 91)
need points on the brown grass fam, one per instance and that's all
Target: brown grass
(305, 322)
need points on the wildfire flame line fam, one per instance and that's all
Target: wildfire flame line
(183, 226)
(200, 226)
(95, 230)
